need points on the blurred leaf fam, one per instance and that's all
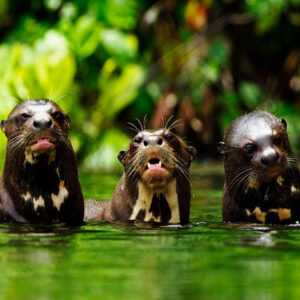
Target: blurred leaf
(105, 155)
(250, 94)
(116, 91)
(218, 51)
(266, 12)
(54, 65)
(28, 30)
(3, 9)
(232, 110)
(83, 35)
(53, 4)
(119, 44)
(121, 14)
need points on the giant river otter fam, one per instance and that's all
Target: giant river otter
(262, 179)
(39, 182)
(155, 185)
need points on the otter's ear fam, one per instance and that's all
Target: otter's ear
(121, 156)
(283, 121)
(193, 151)
(221, 147)
(3, 125)
(68, 118)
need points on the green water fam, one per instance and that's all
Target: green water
(206, 260)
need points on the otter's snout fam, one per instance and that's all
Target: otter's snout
(153, 140)
(270, 157)
(43, 123)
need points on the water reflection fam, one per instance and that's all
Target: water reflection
(206, 259)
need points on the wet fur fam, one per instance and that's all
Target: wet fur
(39, 179)
(122, 203)
(238, 197)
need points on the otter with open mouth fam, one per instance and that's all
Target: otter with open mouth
(262, 179)
(155, 186)
(39, 182)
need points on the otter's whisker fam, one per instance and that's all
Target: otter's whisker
(175, 124)
(167, 123)
(145, 122)
(133, 127)
(237, 177)
(140, 123)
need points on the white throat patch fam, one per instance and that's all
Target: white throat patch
(37, 202)
(59, 199)
(145, 199)
(31, 157)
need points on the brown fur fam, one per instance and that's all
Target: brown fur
(47, 170)
(272, 189)
(176, 158)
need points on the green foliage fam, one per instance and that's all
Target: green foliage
(118, 44)
(107, 62)
(266, 12)
(250, 94)
(105, 155)
(83, 35)
(40, 60)
(116, 91)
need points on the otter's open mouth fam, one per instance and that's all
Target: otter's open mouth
(156, 173)
(42, 144)
(155, 164)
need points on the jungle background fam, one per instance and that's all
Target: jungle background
(108, 62)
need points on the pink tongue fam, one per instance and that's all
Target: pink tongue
(42, 144)
(155, 167)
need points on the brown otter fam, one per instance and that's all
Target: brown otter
(40, 182)
(155, 185)
(262, 179)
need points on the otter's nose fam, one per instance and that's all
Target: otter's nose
(153, 140)
(42, 124)
(270, 159)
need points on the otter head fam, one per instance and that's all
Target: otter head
(155, 158)
(36, 127)
(256, 149)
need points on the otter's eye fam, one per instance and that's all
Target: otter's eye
(137, 141)
(277, 140)
(56, 115)
(249, 149)
(25, 116)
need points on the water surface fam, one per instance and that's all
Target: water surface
(205, 260)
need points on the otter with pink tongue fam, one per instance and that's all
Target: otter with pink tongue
(39, 182)
(155, 186)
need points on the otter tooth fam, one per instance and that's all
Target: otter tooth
(159, 163)
(149, 165)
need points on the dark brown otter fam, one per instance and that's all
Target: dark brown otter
(39, 182)
(155, 185)
(262, 179)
